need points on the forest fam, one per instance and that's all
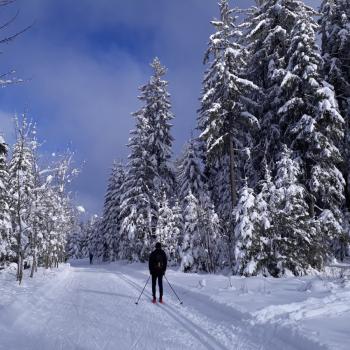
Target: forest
(261, 188)
(263, 185)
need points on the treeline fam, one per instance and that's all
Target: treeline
(265, 186)
(36, 212)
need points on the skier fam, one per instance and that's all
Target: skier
(157, 268)
(91, 256)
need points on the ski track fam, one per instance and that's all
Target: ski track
(93, 307)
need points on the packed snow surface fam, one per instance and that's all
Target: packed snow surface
(82, 306)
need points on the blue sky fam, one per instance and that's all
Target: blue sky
(85, 60)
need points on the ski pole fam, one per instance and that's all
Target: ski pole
(142, 291)
(173, 290)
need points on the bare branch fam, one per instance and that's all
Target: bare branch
(14, 36)
(6, 2)
(10, 21)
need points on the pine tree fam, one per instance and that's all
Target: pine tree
(149, 172)
(311, 123)
(191, 242)
(110, 224)
(157, 112)
(246, 249)
(166, 232)
(265, 231)
(268, 26)
(139, 205)
(335, 35)
(165, 215)
(294, 243)
(178, 228)
(335, 32)
(225, 120)
(74, 243)
(189, 173)
(5, 219)
(268, 39)
(94, 245)
(211, 236)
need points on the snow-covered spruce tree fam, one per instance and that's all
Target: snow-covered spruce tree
(110, 224)
(295, 245)
(335, 31)
(312, 126)
(74, 242)
(84, 239)
(157, 111)
(268, 39)
(213, 252)
(265, 208)
(268, 25)
(168, 229)
(5, 218)
(201, 243)
(191, 243)
(139, 207)
(189, 175)
(246, 237)
(149, 172)
(178, 228)
(93, 243)
(224, 120)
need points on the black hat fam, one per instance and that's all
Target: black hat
(158, 245)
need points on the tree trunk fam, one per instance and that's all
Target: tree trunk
(233, 187)
(33, 265)
(20, 268)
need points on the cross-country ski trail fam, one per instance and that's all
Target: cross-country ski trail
(93, 307)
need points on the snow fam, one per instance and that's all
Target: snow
(81, 306)
(80, 209)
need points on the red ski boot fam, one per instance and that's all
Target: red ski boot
(161, 300)
(154, 300)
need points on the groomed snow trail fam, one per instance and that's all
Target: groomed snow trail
(93, 307)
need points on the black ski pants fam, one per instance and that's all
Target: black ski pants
(160, 284)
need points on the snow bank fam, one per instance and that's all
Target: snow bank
(314, 308)
(10, 289)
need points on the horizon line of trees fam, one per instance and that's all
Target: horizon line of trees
(264, 188)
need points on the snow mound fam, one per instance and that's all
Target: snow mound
(318, 286)
(202, 283)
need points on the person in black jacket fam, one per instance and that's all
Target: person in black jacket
(157, 267)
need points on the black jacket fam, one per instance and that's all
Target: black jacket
(157, 262)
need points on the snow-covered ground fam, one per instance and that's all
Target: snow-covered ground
(93, 307)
